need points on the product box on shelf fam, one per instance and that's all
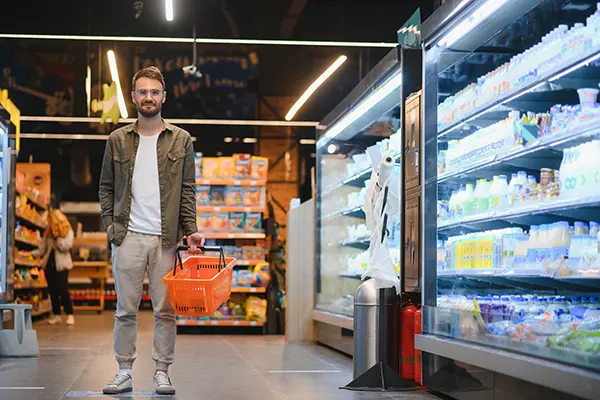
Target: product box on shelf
(259, 168)
(220, 221)
(237, 222)
(242, 166)
(198, 165)
(210, 168)
(217, 195)
(233, 195)
(252, 196)
(203, 198)
(253, 222)
(204, 221)
(226, 168)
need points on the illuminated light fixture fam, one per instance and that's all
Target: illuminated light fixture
(114, 72)
(332, 148)
(88, 88)
(154, 39)
(250, 140)
(63, 136)
(182, 121)
(459, 7)
(169, 10)
(228, 140)
(576, 67)
(474, 19)
(314, 86)
(308, 141)
(379, 94)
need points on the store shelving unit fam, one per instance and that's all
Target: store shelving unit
(231, 238)
(467, 299)
(30, 287)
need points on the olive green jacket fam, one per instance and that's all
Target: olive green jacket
(176, 175)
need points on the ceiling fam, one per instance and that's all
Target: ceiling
(284, 71)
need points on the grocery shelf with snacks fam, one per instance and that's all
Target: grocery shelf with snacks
(512, 193)
(31, 208)
(364, 129)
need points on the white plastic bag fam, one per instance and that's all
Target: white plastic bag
(382, 208)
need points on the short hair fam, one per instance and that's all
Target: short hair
(148, 72)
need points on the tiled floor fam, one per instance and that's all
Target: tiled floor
(78, 360)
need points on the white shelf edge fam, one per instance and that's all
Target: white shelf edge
(326, 317)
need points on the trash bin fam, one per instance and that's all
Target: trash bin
(376, 327)
(365, 327)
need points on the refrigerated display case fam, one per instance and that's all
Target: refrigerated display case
(366, 124)
(7, 221)
(511, 186)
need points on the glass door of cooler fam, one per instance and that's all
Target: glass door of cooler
(512, 180)
(366, 126)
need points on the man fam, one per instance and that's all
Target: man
(148, 201)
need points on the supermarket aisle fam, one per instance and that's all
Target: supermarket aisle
(223, 367)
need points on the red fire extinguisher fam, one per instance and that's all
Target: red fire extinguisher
(418, 331)
(408, 342)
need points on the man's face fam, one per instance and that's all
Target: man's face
(148, 96)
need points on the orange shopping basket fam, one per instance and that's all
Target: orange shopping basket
(202, 283)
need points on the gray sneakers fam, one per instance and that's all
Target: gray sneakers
(162, 383)
(122, 383)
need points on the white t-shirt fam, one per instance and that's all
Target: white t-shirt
(145, 189)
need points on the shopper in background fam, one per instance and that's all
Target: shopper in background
(55, 250)
(148, 201)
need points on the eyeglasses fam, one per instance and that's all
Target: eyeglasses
(144, 92)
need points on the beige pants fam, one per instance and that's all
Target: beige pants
(130, 260)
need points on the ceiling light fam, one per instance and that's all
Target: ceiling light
(308, 141)
(332, 148)
(228, 140)
(250, 140)
(379, 94)
(468, 24)
(112, 62)
(155, 39)
(169, 10)
(314, 86)
(88, 88)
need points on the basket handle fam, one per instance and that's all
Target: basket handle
(204, 249)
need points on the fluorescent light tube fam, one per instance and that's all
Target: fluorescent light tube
(169, 10)
(308, 141)
(114, 72)
(379, 94)
(250, 140)
(88, 88)
(314, 86)
(228, 140)
(474, 19)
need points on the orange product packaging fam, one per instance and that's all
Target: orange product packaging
(248, 252)
(259, 168)
(204, 221)
(210, 168)
(226, 168)
(220, 222)
(242, 166)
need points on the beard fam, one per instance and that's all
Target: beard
(149, 112)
